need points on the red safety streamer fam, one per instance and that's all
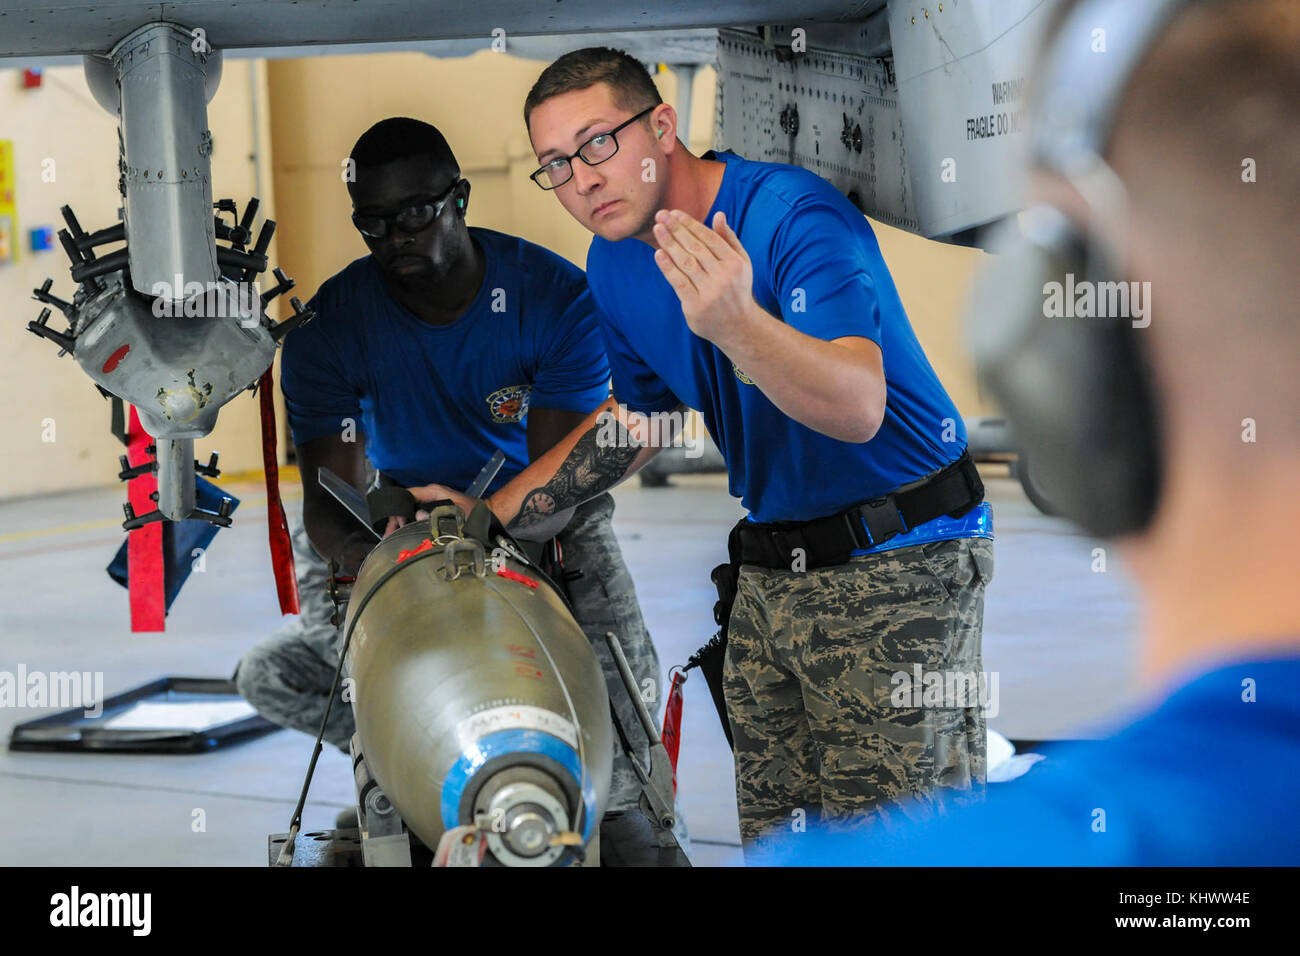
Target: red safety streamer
(516, 576)
(672, 732)
(286, 581)
(425, 545)
(144, 545)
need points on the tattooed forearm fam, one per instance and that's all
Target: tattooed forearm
(596, 463)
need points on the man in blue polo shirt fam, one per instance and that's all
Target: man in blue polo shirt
(757, 294)
(445, 344)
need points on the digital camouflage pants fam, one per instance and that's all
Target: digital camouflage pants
(818, 679)
(288, 676)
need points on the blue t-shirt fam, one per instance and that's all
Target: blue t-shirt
(817, 266)
(434, 402)
(1210, 777)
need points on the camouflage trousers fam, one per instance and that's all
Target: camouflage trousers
(818, 681)
(288, 676)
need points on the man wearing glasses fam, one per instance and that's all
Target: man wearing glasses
(866, 550)
(446, 343)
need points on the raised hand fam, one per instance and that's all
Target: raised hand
(710, 271)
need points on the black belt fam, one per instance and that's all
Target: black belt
(831, 540)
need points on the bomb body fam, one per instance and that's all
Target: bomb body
(477, 697)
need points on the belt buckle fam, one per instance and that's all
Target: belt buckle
(882, 520)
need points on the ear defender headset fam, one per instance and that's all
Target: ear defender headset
(1078, 391)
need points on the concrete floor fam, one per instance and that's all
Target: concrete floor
(1059, 635)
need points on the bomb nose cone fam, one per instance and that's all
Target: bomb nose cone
(529, 829)
(525, 815)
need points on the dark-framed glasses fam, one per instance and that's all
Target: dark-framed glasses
(414, 218)
(593, 152)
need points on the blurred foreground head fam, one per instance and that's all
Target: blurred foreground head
(1207, 143)
(1173, 192)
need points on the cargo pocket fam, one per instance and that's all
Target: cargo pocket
(928, 730)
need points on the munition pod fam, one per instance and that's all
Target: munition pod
(171, 323)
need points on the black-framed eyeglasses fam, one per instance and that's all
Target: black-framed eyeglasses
(414, 218)
(593, 152)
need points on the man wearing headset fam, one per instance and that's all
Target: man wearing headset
(757, 294)
(445, 344)
(1169, 160)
